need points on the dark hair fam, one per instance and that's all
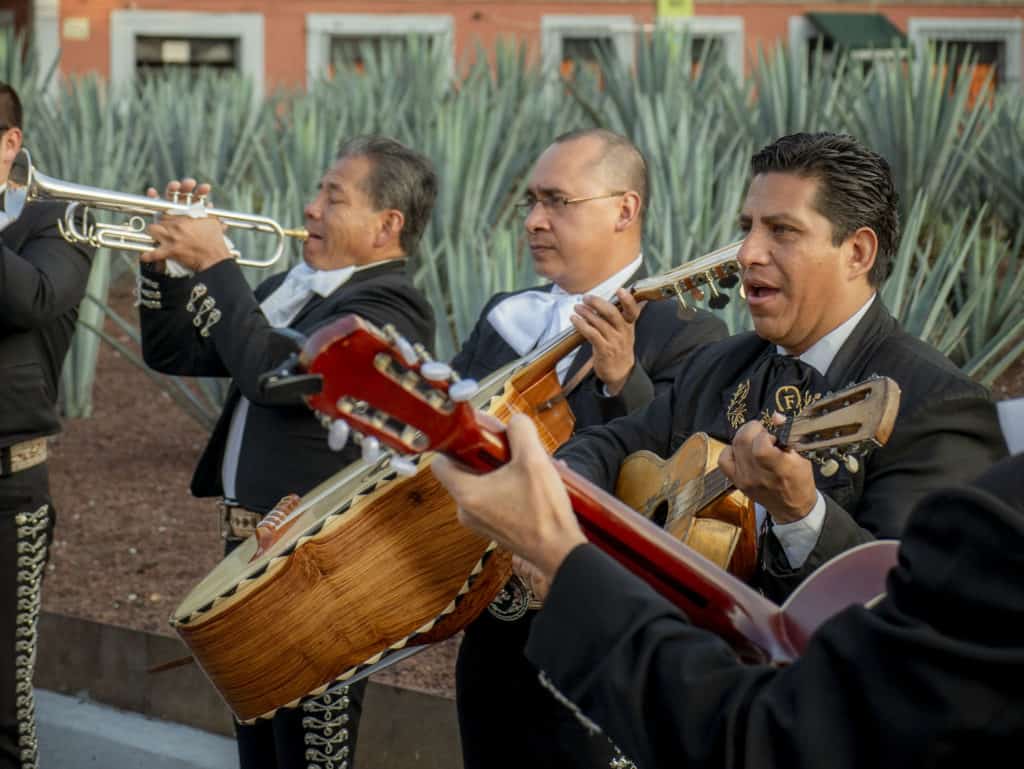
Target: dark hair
(621, 156)
(855, 187)
(10, 107)
(399, 178)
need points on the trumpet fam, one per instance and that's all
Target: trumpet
(27, 184)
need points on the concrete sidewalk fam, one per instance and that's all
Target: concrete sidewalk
(78, 734)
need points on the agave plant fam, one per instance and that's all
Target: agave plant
(787, 94)
(218, 148)
(999, 172)
(923, 123)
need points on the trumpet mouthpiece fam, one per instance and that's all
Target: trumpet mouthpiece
(299, 233)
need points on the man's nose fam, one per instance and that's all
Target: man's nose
(752, 251)
(312, 209)
(537, 217)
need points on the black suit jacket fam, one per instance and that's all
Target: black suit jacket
(662, 340)
(284, 448)
(930, 678)
(946, 431)
(42, 280)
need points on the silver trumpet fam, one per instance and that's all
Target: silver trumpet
(27, 184)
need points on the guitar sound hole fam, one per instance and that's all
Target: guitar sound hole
(660, 514)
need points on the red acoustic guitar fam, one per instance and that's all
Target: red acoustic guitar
(370, 382)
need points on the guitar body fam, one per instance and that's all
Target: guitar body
(371, 566)
(668, 492)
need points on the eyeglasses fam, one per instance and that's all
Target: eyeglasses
(554, 203)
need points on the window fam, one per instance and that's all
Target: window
(995, 45)
(713, 36)
(143, 42)
(155, 54)
(348, 37)
(571, 41)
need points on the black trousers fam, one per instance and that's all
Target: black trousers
(26, 529)
(506, 718)
(318, 734)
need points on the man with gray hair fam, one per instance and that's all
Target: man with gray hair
(365, 221)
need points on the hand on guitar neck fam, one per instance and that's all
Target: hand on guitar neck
(779, 479)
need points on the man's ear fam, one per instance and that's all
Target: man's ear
(10, 145)
(862, 248)
(629, 210)
(390, 228)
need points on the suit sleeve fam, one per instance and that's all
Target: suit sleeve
(172, 343)
(938, 441)
(46, 279)
(654, 376)
(929, 677)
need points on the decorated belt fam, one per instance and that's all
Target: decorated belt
(22, 456)
(237, 522)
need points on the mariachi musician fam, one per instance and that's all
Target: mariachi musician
(584, 210)
(821, 228)
(42, 280)
(365, 222)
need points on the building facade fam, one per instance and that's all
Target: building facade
(286, 42)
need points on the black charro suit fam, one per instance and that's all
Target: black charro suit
(212, 325)
(929, 678)
(505, 718)
(284, 448)
(42, 281)
(946, 431)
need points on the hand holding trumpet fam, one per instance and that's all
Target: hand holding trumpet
(196, 243)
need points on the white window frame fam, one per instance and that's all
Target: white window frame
(923, 30)
(555, 28)
(321, 27)
(125, 26)
(728, 28)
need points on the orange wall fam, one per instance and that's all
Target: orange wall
(483, 20)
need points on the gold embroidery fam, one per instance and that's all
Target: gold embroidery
(789, 399)
(737, 411)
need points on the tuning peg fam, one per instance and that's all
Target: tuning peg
(852, 463)
(718, 301)
(436, 371)
(728, 281)
(371, 450)
(743, 292)
(463, 390)
(407, 351)
(829, 467)
(681, 298)
(338, 434)
(403, 466)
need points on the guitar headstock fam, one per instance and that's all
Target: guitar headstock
(842, 425)
(381, 390)
(696, 278)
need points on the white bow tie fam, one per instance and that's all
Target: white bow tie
(531, 319)
(302, 282)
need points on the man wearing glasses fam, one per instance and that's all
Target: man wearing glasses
(583, 210)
